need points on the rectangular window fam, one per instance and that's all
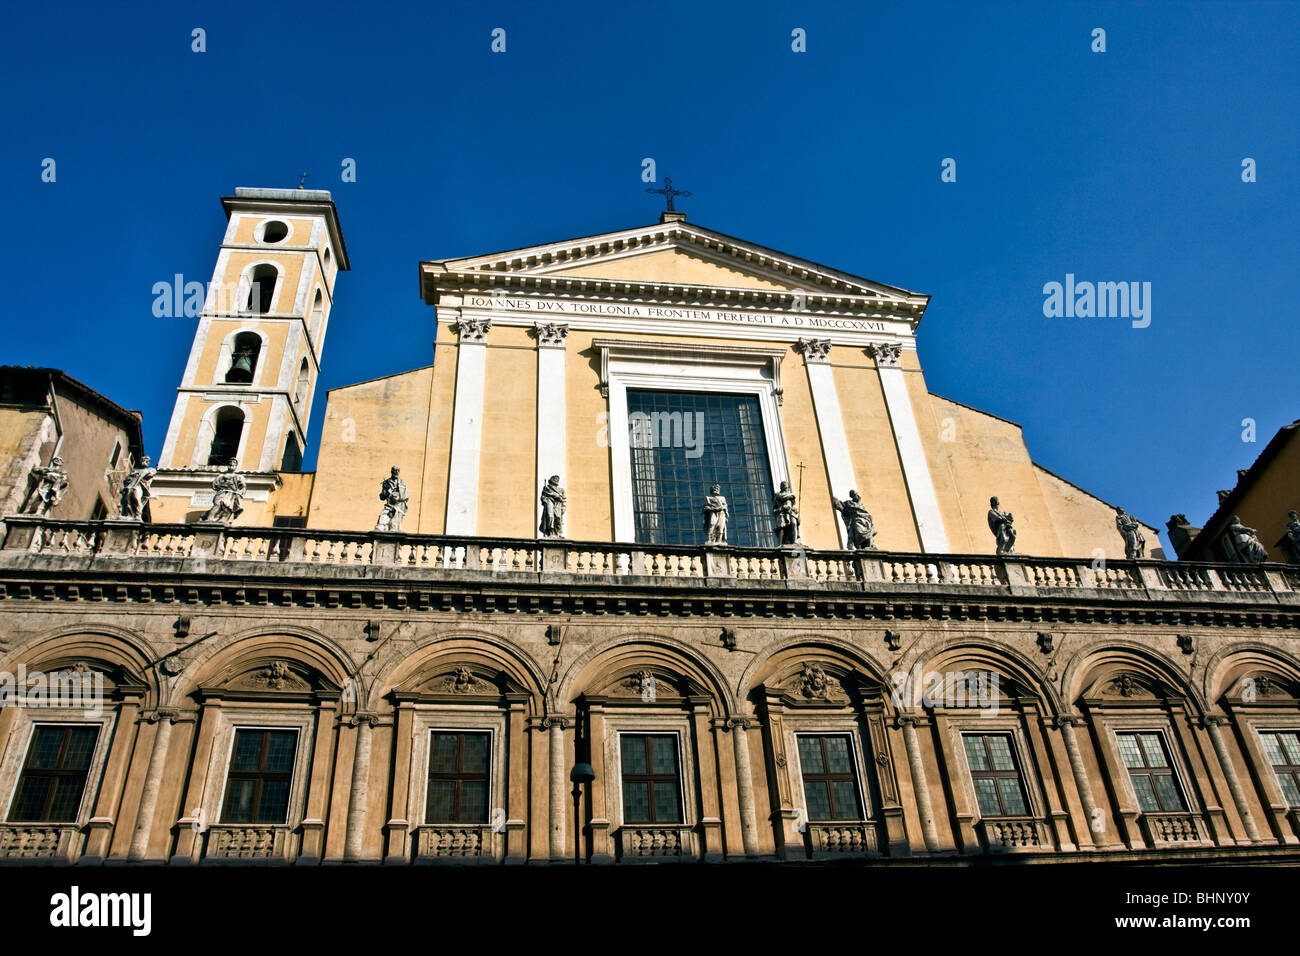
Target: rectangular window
(53, 779)
(458, 777)
(1151, 771)
(1283, 751)
(684, 442)
(261, 772)
(830, 782)
(117, 451)
(652, 789)
(998, 785)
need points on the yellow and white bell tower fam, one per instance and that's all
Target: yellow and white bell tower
(247, 390)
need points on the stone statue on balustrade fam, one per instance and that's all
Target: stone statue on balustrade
(786, 514)
(858, 524)
(1245, 541)
(554, 506)
(50, 484)
(1291, 538)
(715, 517)
(1135, 543)
(1000, 523)
(228, 490)
(392, 492)
(137, 491)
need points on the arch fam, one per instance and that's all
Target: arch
(252, 648)
(1091, 661)
(245, 350)
(957, 653)
(776, 656)
(303, 384)
(273, 231)
(404, 667)
(317, 316)
(226, 435)
(258, 285)
(601, 662)
(123, 655)
(1236, 661)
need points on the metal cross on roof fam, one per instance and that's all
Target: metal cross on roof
(668, 192)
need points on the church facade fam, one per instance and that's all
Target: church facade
(670, 513)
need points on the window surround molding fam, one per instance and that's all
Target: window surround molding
(650, 721)
(963, 722)
(795, 726)
(259, 231)
(425, 721)
(27, 719)
(232, 718)
(245, 285)
(684, 367)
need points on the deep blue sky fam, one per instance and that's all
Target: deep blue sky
(1117, 166)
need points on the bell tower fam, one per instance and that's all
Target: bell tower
(248, 385)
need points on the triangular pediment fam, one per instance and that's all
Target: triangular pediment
(676, 254)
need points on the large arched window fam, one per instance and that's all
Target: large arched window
(261, 288)
(243, 358)
(228, 428)
(292, 460)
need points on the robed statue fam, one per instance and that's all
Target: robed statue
(51, 483)
(136, 491)
(715, 517)
(1291, 538)
(1135, 543)
(393, 494)
(228, 490)
(858, 524)
(554, 505)
(1246, 542)
(786, 514)
(1000, 524)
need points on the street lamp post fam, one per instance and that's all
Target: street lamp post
(580, 774)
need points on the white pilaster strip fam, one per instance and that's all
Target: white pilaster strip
(916, 470)
(620, 449)
(550, 410)
(830, 422)
(467, 427)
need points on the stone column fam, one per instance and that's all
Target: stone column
(919, 784)
(555, 723)
(739, 727)
(911, 452)
(352, 842)
(830, 422)
(152, 783)
(550, 409)
(1230, 771)
(1081, 781)
(467, 426)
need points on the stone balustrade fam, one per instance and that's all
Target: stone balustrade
(1172, 829)
(1009, 834)
(197, 545)
(842, 839)
(246, 842)
(657, 842)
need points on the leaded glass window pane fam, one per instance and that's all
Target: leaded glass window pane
(1151, 772)
(684, 442)
(998, 787)
(53, 778)
(261, 772)
(1283, 751)
(651, 785)
(458, 777)
(830, 780)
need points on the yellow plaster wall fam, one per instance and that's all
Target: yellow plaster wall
(299, 237)
(368, 429)
(293, 496)
(508, 454)
(268, 360)
(290, 273)
(1084, 522)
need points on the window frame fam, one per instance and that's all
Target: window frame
(1174, 768)
(650, 778)
(732, 370)
(233, 718)
(291, 775)
(1019, 772)
(20, 740)
(66, 726)
(426, 719)
(489, 733)
(855, 764)
(1292, 769)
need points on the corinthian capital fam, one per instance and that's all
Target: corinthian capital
(472, 330)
